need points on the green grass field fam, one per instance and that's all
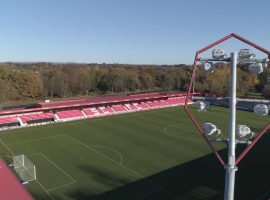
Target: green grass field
(149, 155)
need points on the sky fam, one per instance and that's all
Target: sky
(125, 31)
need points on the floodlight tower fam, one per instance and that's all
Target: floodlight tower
(237, 134)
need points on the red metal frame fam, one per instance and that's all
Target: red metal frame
(194, 120)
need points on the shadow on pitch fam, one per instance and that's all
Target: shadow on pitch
(199, 179)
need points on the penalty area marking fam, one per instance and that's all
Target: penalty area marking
(73, 181)
(121, 159)
(45, 190)
(90, 147)
(51, 197)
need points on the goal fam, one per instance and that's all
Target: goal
(24, 168)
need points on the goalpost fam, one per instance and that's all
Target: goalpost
(24, 168)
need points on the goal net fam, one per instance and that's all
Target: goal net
(24, 167)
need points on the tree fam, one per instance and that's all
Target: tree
(147, 81)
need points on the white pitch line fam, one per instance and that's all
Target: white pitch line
(45, 190)
(165, 131)
(105, 156)
(61, 186)
(58, 167)
(176, 126)
(35, 140)
(111, 149)
(10, 151)
(36, 179)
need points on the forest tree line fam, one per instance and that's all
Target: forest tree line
(39, 81)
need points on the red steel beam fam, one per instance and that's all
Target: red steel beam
(215, 43)
(251, 43)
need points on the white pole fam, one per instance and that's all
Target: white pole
(35, 174)
(230, 167)
(23, 160)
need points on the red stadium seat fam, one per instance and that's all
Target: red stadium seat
(119, 108)
(35, 117)
(69, 114)
(8, 120)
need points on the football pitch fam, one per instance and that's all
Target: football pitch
(149, 155)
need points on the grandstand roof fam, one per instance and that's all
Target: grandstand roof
(104, 99)
(92, 101)
(10, 187)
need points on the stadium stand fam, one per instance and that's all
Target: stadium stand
(107, 110)
(100, 110)
(158, 104)
(119, 108)
(9, 121)
(69, 114)
(176, 101)
(131, 107)
(37, 118)
(66, 110)
(244, 104)
(10, 187)
(143, 106)
(164, 103)
(151, 104)
(92, 112)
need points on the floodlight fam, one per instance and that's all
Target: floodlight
(202, 106)
(211, 130)
(246, 54)
(255, 68)
(261, 109)
(218, 53)
(209, 67)
(243, 132)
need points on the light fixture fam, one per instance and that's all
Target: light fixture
(202, 106)
(246, 54)
(218, 53)
(211, 130)
(255, 68)
(209, 67)
(243, 132)
(261, 109)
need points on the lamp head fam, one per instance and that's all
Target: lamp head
(261, 109)
(209, 67)
(244, 133)
(246, 54)
(218, 53)
(255, 68)
(211, 130)
(202, 106)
